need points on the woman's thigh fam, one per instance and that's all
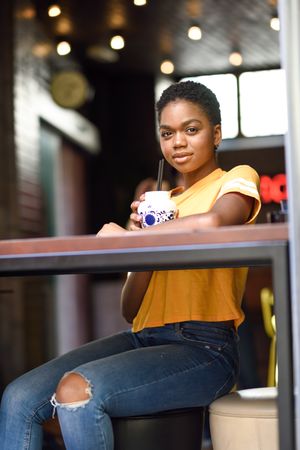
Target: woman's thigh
(158, 377)
(33, 390)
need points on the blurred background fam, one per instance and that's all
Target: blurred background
(78, 84)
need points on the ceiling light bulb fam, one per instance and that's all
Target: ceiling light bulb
(235, 58)
(63, 48)
(41, 49)
(195, 33)
(140, 2)
(275, 23)
(54, 11)
(167, 67)
(63, 26)
(117, 42)
(26, 13)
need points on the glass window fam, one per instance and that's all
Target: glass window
(225, 88)
(263, 103)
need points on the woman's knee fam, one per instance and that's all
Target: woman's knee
(15, 395)
(73, 388)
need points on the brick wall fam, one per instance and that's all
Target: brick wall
(8, 208)
(31, 74)
(26, 304)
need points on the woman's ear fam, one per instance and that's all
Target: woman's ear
(217, 135)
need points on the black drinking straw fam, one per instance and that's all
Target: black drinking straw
(160, 174)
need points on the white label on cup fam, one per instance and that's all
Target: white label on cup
(156, 208)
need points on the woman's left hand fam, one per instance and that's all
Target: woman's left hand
(109, 229)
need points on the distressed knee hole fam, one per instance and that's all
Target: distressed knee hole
(73, 390)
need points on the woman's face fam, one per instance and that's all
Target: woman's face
(188, 139)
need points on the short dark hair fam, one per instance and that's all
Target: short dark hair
(193, 92)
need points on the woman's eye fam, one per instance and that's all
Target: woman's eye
(192, 130)
(165, 134)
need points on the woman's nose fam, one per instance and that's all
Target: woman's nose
(179, 140)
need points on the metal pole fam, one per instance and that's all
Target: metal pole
(289, 14)
(281, 289)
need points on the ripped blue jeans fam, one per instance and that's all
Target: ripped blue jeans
(175, 366)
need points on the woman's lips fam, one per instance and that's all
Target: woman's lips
(181, 158)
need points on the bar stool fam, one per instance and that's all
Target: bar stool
(246, 419)
(170, 430)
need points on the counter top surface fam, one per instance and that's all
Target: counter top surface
(221, 235)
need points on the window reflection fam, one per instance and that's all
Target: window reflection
(263, 103)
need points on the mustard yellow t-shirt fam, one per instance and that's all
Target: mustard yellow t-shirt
(201, 294)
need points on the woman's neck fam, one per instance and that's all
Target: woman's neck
(192, 177)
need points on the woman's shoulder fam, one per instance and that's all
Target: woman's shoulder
(242, 171)
(243, 179)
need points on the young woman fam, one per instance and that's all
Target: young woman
(182, 348)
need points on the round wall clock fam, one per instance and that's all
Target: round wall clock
(69, 89)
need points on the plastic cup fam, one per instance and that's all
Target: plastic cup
(158, 207)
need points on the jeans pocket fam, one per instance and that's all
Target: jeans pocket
(206, 341)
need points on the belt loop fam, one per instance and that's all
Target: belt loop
(177, 326)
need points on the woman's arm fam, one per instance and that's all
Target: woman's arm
(230, 209)
(133, 293)
(233, 209)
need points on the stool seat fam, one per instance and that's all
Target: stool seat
(169, 430)
(245, 419)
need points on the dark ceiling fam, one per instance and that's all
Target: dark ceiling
(159, 29)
